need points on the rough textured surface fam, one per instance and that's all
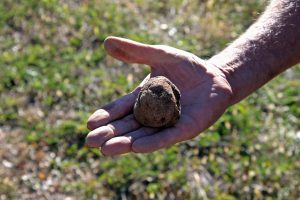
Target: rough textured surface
(158, 103)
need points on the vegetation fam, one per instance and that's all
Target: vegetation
(55, 72)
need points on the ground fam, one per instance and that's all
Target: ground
(55, 72)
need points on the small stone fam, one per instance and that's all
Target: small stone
(158, 103)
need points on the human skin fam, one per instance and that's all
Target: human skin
(208, 87)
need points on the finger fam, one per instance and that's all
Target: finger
(157, 141)
(98, 136)
(134, 52)
(163, 139)
(122, 144)
(115, 110)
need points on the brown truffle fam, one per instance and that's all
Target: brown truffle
(158, 103)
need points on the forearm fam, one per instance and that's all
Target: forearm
(268, 47)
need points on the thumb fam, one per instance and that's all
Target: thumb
(134, 52)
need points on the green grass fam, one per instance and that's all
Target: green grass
(55, 72)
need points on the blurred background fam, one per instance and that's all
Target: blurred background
(54, 73)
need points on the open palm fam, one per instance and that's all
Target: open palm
(205, 95)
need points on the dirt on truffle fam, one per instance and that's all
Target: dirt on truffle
(158, 103)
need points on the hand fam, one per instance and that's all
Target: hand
(205, 95)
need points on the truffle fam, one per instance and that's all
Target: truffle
(158, 103)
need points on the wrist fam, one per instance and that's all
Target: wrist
(228, 64)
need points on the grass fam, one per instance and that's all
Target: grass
(55, 72)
